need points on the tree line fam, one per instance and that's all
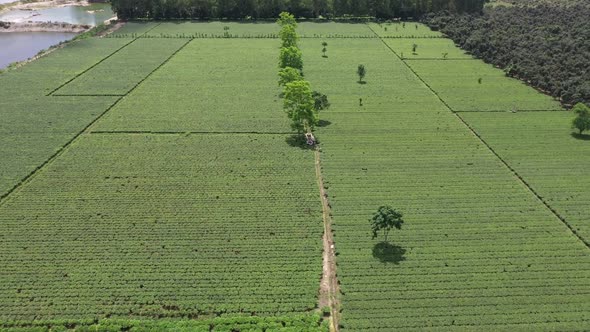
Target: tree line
(546, 45)
(259, 9)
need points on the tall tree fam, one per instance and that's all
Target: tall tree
(288, 75)
(291, 57)
(582, 120)
(288, 36)
(299, 105)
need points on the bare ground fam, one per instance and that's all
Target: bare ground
(329, 289)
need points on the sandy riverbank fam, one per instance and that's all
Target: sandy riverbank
(42, 27)
(19, 5)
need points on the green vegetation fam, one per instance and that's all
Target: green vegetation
(582, 120)
(541, 147)
(117, 75)
(429, 49)
(185, 202)
(479, 252)
(361, 71)
(456, 82)
(237, 92)
(403, 30)
(385, 219)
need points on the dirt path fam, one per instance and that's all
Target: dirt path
(329, 289)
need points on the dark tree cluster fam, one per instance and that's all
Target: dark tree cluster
(547, 45)
(240, 9)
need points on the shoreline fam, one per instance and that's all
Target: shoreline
(9, 27)
(43, 4)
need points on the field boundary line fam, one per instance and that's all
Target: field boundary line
(517, 111)
(514, 172)
(96, 64)
(5, 197)
(329, 288)
(89, 68)
(149, 132)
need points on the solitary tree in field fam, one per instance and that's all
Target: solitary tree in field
(582, 120)
(299, 105)
(288, 75)
(290, 57)
(288, 36)
(324, 49)
(320, 101)
(414, 48)
(385, 219)
(361, 71)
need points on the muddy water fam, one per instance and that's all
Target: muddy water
(18, 46)
(91, 15)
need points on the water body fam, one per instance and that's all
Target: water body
(18, 46)
(91, 15)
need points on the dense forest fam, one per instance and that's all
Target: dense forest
(240, 9)
(547, 45)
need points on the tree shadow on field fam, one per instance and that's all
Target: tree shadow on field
(324, 123)
(299, 141)
(582, 137)
(386, 252)
(362, 82)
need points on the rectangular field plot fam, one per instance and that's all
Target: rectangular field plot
(404, 30)
(344, 55)
(435, 48)
(333, 29)
(214, 29)
(33, 129)
(46, 74)
(232, 225)
(457, 83)
(541, 148)
(478, 251)
(118, 74)
(212, 85)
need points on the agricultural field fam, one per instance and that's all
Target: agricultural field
(440, 48)
(130, 233)
(479, 250)
(403, 30)
(541, 147)
(116, 76)
(458, 84)
(212, 85)
(182, 201)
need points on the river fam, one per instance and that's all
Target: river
(19, 46)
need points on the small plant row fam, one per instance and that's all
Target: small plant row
(194, 35)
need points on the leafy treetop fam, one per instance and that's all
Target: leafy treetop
(286, 18)
(385, 219)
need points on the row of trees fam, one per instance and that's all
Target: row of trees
(299, 102)
(239, 9)
(545, 45)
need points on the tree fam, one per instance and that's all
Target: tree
(286, 18)
(320, 101)
(385, 219)
(288, 75)
(299, 105)
(414, 48)
(291, 57)
(324, 49)
(288, 36)
(582, 120)
(361, 71)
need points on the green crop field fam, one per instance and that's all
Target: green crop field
(149, 180)
(207, 87)
(116, 75)
(480, 252)
(457, 83)
(426, 49)
(541, 147)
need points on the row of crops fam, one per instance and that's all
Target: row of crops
(478, 250)
(111, 228)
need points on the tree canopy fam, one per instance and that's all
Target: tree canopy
(299, 105)
(582, 120)
(291, 57)
(288, 75)
(385, 219)
(240, 9)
